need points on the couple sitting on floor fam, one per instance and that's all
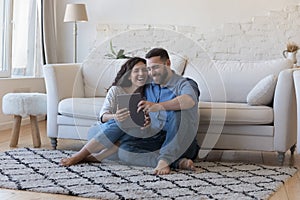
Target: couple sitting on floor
(167, 139)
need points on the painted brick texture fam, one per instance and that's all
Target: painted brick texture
(262, 38)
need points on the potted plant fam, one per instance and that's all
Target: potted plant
(116, 55)
(291, 51)
(292, 47)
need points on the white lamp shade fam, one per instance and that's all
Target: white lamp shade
(75, 13)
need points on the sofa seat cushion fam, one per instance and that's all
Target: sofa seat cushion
(242, 130)
(234, 113)
(74, 121)
(85, 108)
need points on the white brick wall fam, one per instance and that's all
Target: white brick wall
(262, 38)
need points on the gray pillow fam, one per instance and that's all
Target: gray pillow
(263, 91)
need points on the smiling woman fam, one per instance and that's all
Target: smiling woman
(20, 41)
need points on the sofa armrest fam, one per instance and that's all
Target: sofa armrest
(285, 115)
(62, 81)
(297, 89)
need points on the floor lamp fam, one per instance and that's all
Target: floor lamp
(75, 13)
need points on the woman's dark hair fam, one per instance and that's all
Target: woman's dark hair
(162, 53)
(123, 74)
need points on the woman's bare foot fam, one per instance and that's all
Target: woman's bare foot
(98, 157)
(186, 164)
(85, 155)
(162, 168)
(70, 161)
(76, 159)
(91, 158)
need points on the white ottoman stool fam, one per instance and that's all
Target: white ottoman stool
(21, 105)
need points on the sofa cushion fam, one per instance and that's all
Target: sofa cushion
(230, 113)
(263, 91)
(98, 75)
(85, 108)
(75, 121)
(231, 81)
(235, 130)
(234, 113)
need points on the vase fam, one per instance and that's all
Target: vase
(290, 55)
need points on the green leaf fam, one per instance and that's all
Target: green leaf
(114, 55)
(112, 49)
(120, 53)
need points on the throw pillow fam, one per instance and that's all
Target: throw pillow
(177, 63)
(263, 91)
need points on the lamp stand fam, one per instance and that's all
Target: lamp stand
(75, 42)
(75, 12)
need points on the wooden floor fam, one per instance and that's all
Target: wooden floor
(290, 191)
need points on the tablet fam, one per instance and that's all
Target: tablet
(130, 101)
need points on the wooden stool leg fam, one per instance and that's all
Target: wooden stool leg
(35, 131)
(15, 131)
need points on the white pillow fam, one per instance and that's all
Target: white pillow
(263, 91)
(177, 63)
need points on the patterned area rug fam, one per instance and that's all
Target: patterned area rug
(39, 170)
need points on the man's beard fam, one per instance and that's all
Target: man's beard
(162, 77)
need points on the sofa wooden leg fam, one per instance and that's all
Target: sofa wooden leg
(53, 143)
(292, 149)
(280, 157)
(15, 131)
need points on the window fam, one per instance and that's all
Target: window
(20, 53)
(5, 37)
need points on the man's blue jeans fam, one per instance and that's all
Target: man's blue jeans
(175, 141)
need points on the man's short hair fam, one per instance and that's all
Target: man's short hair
(162, 53)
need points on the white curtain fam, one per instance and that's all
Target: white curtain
(31, 41)
(49, 31)
(34, 54)
(25, 38)
(27, 50)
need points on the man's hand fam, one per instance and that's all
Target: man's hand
(148, 107)
(181, 102)
(147, 121)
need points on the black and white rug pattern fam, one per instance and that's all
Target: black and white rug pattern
(39, 170)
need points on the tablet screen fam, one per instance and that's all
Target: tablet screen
(130, 101)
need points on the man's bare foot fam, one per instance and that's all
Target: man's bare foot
(162, 168)
(187, 164)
